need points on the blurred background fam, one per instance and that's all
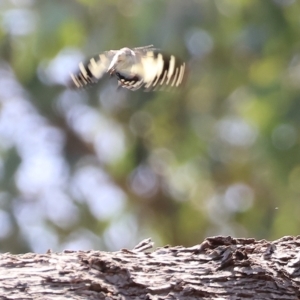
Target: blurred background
(103, 168)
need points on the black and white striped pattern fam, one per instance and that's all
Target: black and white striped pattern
(145, 67)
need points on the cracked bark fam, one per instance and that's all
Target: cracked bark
(219, 268)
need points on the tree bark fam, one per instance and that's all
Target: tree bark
(219, 268)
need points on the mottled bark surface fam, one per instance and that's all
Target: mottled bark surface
(219, 268)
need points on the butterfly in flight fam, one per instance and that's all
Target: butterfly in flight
(144, 68)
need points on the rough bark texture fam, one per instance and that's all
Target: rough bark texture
(219, 268)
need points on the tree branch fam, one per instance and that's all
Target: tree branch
(219, 268)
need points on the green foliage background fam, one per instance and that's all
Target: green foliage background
(104, 169)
